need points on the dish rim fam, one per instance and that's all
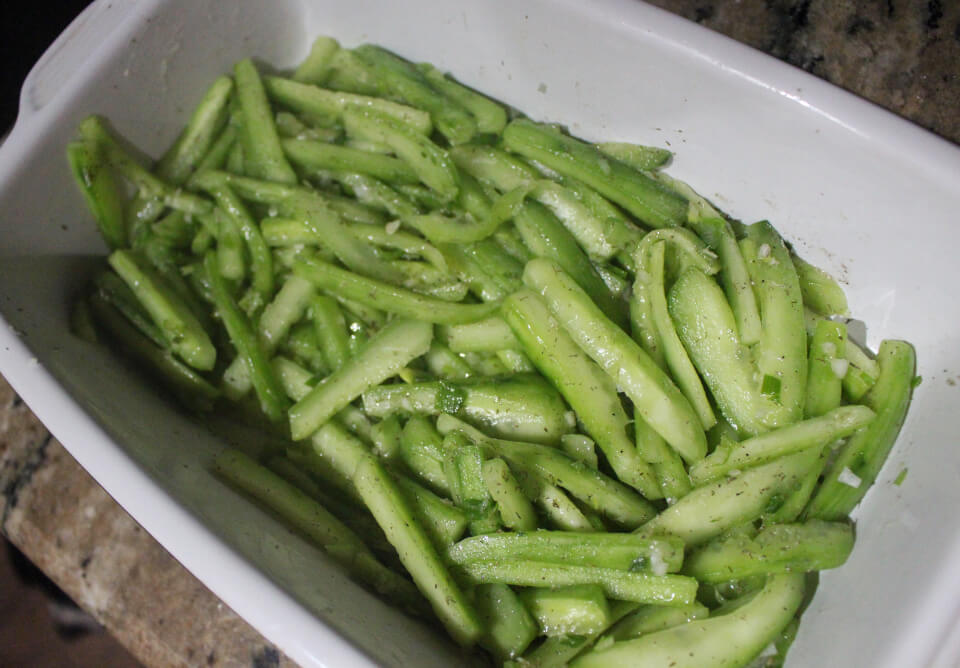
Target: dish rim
(161, 514)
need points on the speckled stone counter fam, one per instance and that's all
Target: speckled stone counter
(904, 56)
(74, 532)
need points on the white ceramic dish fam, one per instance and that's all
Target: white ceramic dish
(864, 194)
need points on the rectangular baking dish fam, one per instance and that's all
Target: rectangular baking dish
(869, 197)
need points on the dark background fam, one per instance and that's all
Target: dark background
(26, 30)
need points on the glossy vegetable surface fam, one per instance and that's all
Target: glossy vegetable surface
(527, 386)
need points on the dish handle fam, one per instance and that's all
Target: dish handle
(70, 51)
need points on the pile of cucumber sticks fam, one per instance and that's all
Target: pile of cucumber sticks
(526, 385)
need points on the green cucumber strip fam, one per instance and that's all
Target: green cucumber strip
(797, 500)
(290, 126)
(408, 244)
(509, 628)
(377, 195)
(542, 232)
(654, 395)
(576, 610)
(707, 327)
(627, 552)
(195, 391)
(263, 156)
(490, 116)
(353, 211)
(389, 507)
(467, 269)
(302, 345)
(386, 437)
(446, 365)
(331, 331)
(315, 522)
(646, 199)
(859, 462)
(398, 78)
(653, 618)
(186, 336)
(314, 67)
(814, 432)
(487, 335)
(321, 155)
(234, 163)
(590, 392)
(521, 407)
(581, 448)
(600, 236)
(547, 238)
(418, 193)
(610, 498)
(826, 357)
(312, 208)
(101, 189)
(93, 131)
(424, 278)
(340, 453)
(431, 163)
(616, 584)
(650, 265)
(273, 400)
(779, 548)
(231, 260)
(346, 509)
(502, 268)
(421, 449)
(390, 350)
(691, 250)
(667, 464)
(457, 227)
(173, 231)
(346, 72)
(557, 652)
(821, 293)
(494, 166)
(443, 522)
(643, 330)
(710, 510)
(199, 135)
(287, 307)
(305, 98)
(863, 371)
(615, 279)
(719, 641)
(380, 295)
(463, 465)
(713, 228)
(782, 350)
(623, 230)
(638, 156)
(516, 511)
(557, 508)
(118, 294)
(216, 155)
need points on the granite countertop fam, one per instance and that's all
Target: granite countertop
(904, 56)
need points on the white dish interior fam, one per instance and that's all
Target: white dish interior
(868, 197)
